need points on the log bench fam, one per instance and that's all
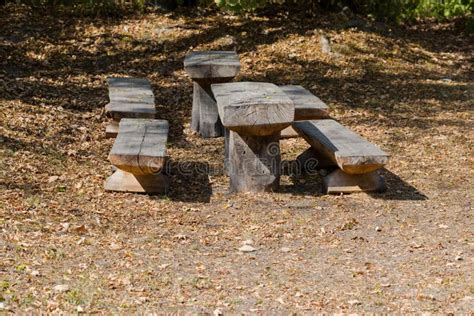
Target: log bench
(307, 107)
(354, 158)
(206, 68)
(129, 98)
(139, 153)
(253, 113)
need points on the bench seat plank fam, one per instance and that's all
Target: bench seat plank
(307, 105)
(352, 153)
(140, 146)
(130, 98)
(212, 64)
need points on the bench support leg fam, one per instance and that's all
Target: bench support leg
(111, 130)
(254, 162)
(310, 162)
(122, 181)
(341, 182)
(205, 117)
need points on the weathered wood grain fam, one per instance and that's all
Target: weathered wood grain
(352, 153)
(289, 132)
(307, 105)
(130, 98)
(311, 161)
(253, 108)
(140, 146)
(340, 182)
(212, 64)
(111, 130)
(254, 163)
(205, 118)
(206, 68)
(122, 181)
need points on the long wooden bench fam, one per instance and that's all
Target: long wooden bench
(129, 98)
(139, 153)
(307, 107)
(336, 146)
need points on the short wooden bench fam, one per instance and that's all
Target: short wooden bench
(335, 145)
(206, 68)
(129, 98)
(139, 153)
(307, 107)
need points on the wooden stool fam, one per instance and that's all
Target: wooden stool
(129, 98)
(206, 68)
(254, 113)
(139, 153)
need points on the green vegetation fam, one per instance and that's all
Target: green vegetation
(388, 9)
(396, 10)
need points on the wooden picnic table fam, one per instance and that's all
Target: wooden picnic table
(254, 113)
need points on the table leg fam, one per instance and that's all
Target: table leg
(254, 162)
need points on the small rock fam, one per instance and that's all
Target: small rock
(115, 246)
(60, 288)
(181, 237)
(247, 248)
(285, 249)
(217, 312)
(2, 306)
(164, 266)
(79, 309)
(52, 179)
(35, 273)
(378, 229)
(458, 258)
(354, 302)
(65, 227)
(443, 226)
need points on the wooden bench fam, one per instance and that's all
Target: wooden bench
(253, 113)
(129, 98)
(336, 146)
(206, 68)
(139, 153)
(307, 107)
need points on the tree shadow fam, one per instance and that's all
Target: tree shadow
(189, 181)
(398, 189)
(310, 184)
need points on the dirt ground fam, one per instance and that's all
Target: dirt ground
(66, 245)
